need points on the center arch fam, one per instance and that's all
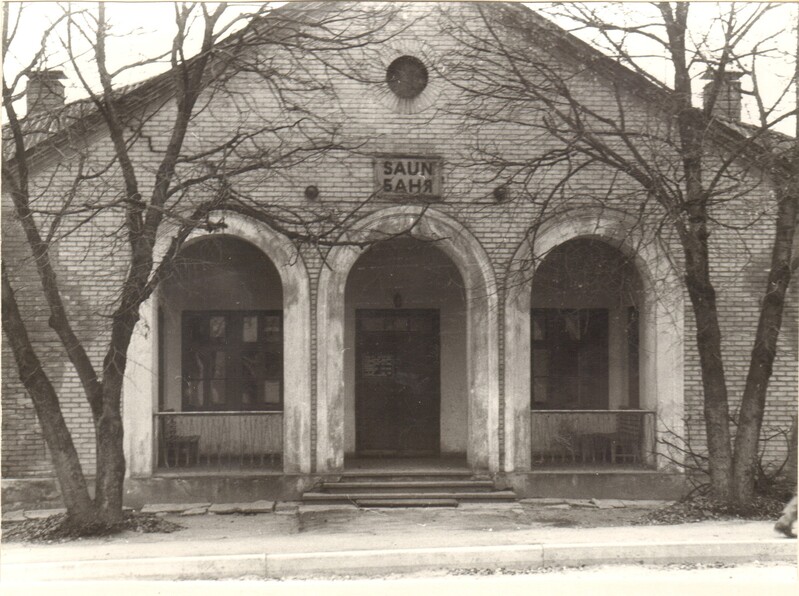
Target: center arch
(480, 297)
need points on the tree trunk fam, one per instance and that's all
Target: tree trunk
(708, 341)
(750, 417)
(110, 480)
(71, 481)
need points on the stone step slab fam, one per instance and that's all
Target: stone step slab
(395, 503)
(157, 508)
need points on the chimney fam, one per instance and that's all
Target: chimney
(728, 98)
(45, 92)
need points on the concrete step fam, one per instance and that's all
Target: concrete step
(499, 495)
(409, 475)
(407, 502)
(412, 484)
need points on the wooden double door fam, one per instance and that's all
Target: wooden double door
(397, 387)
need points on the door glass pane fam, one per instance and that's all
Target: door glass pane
(378, 365)
(423, 324)
(372, 324)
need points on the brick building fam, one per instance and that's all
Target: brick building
(472, 331)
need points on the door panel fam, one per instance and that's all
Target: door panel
(397, 388)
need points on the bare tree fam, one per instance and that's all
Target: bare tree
(142, 185)
(677, 169)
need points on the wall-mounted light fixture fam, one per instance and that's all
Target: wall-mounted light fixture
(501, 194)
(311, 192)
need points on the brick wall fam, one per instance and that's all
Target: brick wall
(92, 257)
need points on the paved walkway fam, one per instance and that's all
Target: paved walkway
(324, 541)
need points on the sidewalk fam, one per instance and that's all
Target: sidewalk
(325, 541)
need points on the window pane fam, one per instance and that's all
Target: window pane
(194, 392)
(217, 392)
(540, 389)
(539, 327)
(571, 322)
(249, 371)
(217, 327)
(219, 365)
(272, 392)
(249, 331)
(224, 367)
(248, 391)
(272, 328)
(540, 363)
(195, 367)
(195, 329)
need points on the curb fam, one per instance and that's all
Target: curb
(379, 562)
(568, 555)
(169, 568)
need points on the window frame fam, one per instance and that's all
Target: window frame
(233, 347)
(545, 344)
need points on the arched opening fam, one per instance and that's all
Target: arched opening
(405, 353)
(481, 371)
(146, 374)
(584, 345)
(637, 268)
(221, 384)
(586, 298)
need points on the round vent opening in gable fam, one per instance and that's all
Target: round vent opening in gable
(406, 77)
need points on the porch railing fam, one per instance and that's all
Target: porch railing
(219, 439)
(592, 437)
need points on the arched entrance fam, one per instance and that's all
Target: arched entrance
(221, 343)
(220, 357)
(480, 320)
(608, 308)
(405, 338)
(586, 296)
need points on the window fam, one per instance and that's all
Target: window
(406, 77)
(569, 356)
(232, 360)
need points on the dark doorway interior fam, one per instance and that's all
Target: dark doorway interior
(397, 387)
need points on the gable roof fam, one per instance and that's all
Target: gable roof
(44, 131)
(76, 119)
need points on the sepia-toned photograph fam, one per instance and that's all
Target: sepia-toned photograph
(391, 297)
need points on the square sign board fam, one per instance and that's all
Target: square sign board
(410, 178)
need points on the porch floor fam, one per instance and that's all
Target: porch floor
(229, 467)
